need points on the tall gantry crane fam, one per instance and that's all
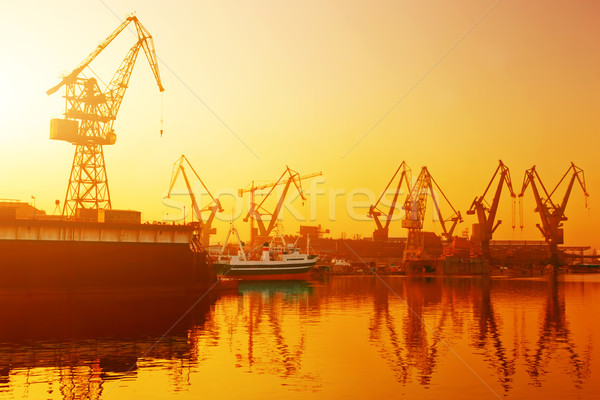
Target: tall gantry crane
(552, 214)
(415, 206)
(258, 212)
(89, 117)
(213, 207)
(486, 212)
(375, 212)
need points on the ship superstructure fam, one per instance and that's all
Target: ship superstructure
(278, 261)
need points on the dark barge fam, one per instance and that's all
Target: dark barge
(37, 254)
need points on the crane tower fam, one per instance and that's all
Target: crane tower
(486, 212)
(89, 117)
(552, 212)
(415, 206)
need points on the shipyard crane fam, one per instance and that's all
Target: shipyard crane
(375, 212)
(257, 212)
(415, 206)
(89, 117)
(213, 207)
(486, 212)
(552, 214)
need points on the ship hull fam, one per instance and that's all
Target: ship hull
(57, 255)
(267, 271)
(100, 266)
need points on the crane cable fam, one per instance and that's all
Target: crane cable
(96, 75)
(162, 111)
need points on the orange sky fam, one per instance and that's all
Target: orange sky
(300, 83)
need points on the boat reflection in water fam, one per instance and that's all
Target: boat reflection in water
(272, 288)
(354, 337)
(267, 336)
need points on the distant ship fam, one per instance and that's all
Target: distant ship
(278, 261)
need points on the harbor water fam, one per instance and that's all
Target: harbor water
(357, 337)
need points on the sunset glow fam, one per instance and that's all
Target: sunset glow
(321, 199)
(253, 87)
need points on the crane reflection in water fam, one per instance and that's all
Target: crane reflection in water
(488, 336)
(518, 335)
(554, 338)
(414, 326)
(413, 346)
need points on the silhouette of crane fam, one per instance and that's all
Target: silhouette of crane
(213, 207)
(415, 207)
(486, 212)
(375, 212)
(258, 212)
(89, 117)
(552, 214)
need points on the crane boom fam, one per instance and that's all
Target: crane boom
(454, 219)
(73, 75)
(148, 45)
(213, 207)
(552, 215)
(143, 36)
(382, 231)
(258, 211)
(486, 212)
(253, 188)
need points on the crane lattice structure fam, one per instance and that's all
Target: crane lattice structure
(552, 215)
(89, 117)
(415, 206)
(258, 212)
(375, 212)
(486, 212)
(205, 228)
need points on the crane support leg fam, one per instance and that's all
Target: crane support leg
(88, 183)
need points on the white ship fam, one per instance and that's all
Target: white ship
(278, 261)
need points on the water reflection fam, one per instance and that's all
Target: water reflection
(416, 346)
(555, 337)
(522, 337)
(288, 289)
(262, 338)
(422, 320)
(76, 344)
(488, 336)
